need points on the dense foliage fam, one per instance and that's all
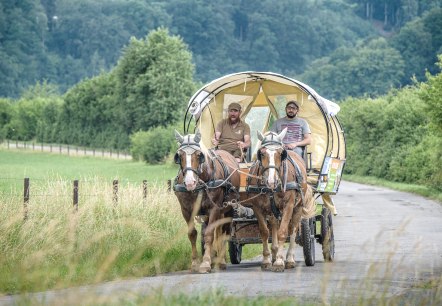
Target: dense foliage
(145, 90)
(153, 146)
(65, 41)
(130, 91)
(398, 136)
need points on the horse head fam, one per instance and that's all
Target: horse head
(190, 157)
(271, 155)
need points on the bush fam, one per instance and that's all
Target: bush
(154, 145)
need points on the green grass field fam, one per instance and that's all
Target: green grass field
(58, 247)
(15, 165)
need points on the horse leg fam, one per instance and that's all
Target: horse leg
(264, 232)
(278, 265)
(192, 234)
(294, 224)
(219, 247)
(274, 226)
(206, 264)
(223, 235)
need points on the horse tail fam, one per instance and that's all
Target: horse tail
(309, 208)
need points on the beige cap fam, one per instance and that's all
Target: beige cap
(235, 106)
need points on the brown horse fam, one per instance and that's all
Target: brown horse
(280, 176)
(206, 180)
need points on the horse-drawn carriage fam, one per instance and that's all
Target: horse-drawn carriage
(263, 96)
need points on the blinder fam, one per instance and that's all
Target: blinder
(201, 158)
(284, 155)
(177, 158)
(259, 155)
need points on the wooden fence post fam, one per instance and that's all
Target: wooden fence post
(115, 191)
(75, 199)
(144, 190)
(25, 198)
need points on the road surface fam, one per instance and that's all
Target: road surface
(387, 242)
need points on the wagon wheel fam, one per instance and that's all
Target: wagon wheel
(308, 241)
(328, 237)
(235, 251)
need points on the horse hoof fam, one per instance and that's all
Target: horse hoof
(222, 266)
(265, 266)
(204, 268)
(195, 267)
(278, 268)
(290, 265)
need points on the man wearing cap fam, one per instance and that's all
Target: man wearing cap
(298, 131)
(232, 134)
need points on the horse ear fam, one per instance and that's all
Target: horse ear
(177, 158)
(197, 137)
(260, 136)
(178, 137)
(283, 154)
(282, 134)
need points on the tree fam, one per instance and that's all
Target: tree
(6, 115)
(371, 68)
(154, 81)
(431, 94)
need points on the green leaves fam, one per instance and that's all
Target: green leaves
(154, 145)
(397, 137)
(154, 81)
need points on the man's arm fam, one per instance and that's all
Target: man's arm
(246, 143)
(215, 140)
(306, 141)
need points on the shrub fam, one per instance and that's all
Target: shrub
(154, 145)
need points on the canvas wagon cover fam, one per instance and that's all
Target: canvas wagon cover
(263, 96)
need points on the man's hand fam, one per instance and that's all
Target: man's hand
(290, 146)
(241, 144)
(215, 141)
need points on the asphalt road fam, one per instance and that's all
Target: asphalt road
(387, 242)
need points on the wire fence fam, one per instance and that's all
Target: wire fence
(64, 149)
(75, 192)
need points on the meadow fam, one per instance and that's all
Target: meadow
(58, 246)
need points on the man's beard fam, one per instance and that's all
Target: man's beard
(291, 116)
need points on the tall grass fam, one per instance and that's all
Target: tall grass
(57, 246)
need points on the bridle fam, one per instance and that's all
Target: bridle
(272, 143)
(189, 147)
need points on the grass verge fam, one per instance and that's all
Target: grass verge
(57, 246)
